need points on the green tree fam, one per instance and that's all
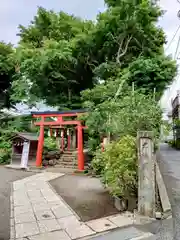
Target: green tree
(61, 55)
(7, 71)
(124, 115)
(49, 67)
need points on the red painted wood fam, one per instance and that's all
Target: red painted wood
(80, 148)
(40, 147)
(57, 123)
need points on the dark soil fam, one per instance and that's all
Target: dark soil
(85, 195)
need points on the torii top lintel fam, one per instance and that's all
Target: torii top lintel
(59, 115)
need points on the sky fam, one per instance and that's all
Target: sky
(15, 12)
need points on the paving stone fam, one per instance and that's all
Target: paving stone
(79, 231)
(55, 203)
(22, 209)
(101, 225)
(47, 191)
(12, 232)
(121, 220)
(61, 211)
(34, 194)
(129, 233)
(51, 197)
(21, 202)
(49, 225)
(44, 214)
(41, 206)
(12, 214)
(39, 200)
(67, 222)
(26, 229)
(25, 217)
(12, 222)
(18, 185)
(57, 235)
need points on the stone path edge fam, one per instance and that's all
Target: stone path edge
(65, 203)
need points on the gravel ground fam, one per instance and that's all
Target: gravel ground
(6, 177)
(85, 195)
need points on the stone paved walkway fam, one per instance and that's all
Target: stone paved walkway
(38, 213)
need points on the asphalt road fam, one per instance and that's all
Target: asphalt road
(169, 162)
(7, 176)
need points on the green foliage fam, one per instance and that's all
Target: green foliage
(50, 25)
(98, 163)
(130, 112)
(50, 144)
(5, 151)
(60, 55)
(118, 167)
(7, 71)
(9, 127)
(49, 65)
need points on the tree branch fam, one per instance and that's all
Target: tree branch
(121, 53)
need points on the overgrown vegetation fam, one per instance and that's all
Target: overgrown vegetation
(117, 166)
(50, 144)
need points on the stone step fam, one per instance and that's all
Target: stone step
(67, 156)
(66, 160)
(61, 165)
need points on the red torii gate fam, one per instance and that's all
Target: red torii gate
(59, 122)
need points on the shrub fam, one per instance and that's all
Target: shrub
(5, 151)
(50, 144)
(118, 167)
(98, 163)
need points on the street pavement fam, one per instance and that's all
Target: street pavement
(39, 213)
(7, 176)
(169, 162)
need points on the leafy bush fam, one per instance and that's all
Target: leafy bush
(50, 144)
(98, 164)
(118, 167)
(5, 151)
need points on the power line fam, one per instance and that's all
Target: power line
(173, 38)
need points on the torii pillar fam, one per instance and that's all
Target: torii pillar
(40, 147)
(80, 148)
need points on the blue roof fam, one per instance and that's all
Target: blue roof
(59, 112)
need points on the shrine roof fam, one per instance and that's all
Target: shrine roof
(26, 136)
(59, 112)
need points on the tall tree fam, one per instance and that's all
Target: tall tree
(61, 55)
(7, 71)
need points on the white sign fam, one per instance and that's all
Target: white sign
(25, 155)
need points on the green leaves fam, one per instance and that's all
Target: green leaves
(130, 112)
(118, 167)
(7, 70)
